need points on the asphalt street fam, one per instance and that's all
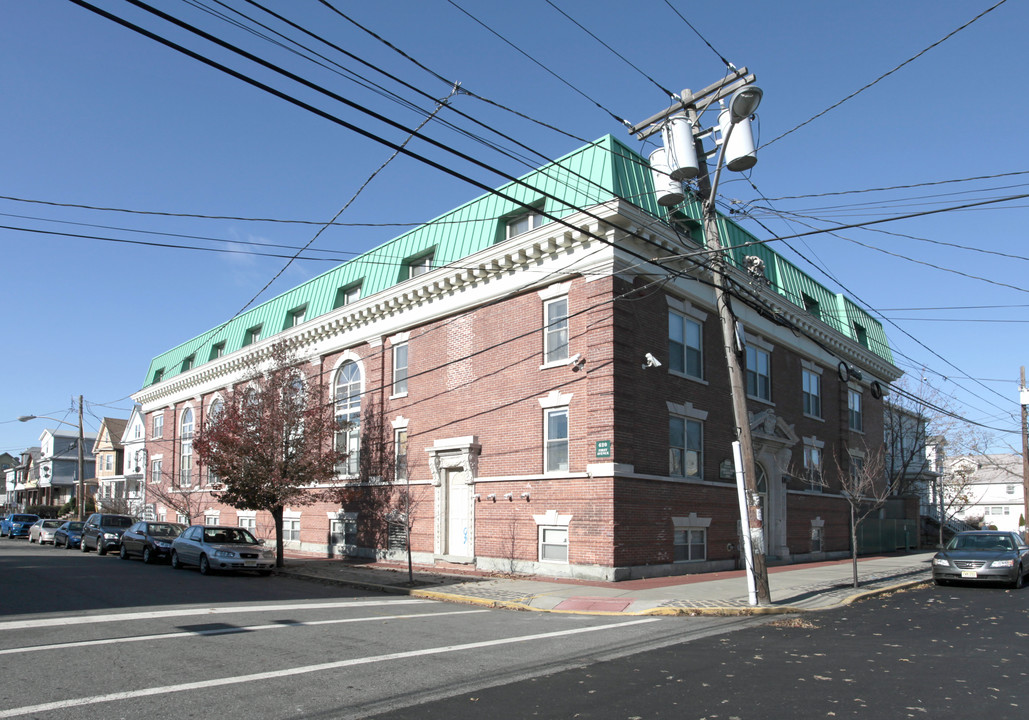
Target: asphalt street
(83, 636)
(927, 652)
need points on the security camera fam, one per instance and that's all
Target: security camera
(651, 361)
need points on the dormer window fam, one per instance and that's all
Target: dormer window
(252, 335)
(217, 350)
(187, 363)
(419, 266)
(347, 294)
(296, 316)
(524, 223)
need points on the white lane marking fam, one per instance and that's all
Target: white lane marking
(304, 669)
(183, 612)
(227, 631)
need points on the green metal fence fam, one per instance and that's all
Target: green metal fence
(876, 536)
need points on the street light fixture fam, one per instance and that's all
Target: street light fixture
(80, 491)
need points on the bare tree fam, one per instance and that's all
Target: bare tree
(188, 502)
(863, 483)
(382, 490)
(272, 439)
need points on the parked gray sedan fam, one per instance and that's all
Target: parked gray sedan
(983, 556)
(43, 530)
(221, 547)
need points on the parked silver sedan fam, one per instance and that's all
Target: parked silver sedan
(983, 556)
(43, 531)
(221, 547)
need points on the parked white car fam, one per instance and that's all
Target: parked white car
(221, 547)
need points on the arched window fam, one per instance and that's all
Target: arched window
(347, 393)
(216, 409)
(186, 448)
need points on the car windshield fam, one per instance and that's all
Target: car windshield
(981, 542)
(237, 536)
(52, 523)
(165, 530)
(77, 525)
(116, 521)
(25, 518)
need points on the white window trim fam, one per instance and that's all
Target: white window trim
(817, 372)
(551, 519)
(546, 334)
(684, 374)
(692, 522)
(763, 345)
(397, 341)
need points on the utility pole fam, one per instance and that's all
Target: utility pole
(1023, 399)
(80, 492)
(746, 475)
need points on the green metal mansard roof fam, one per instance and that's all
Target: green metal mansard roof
(596, 173)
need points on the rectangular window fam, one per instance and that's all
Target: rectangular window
(811, 305)
(187, 363)
(555, 338)
(217, 350)
(855, 419)
(291, 530)
(813, 466)
(211, 519)
(400, 369)
(158, 426)
(296, 317)
(524, 223)
(346, 295)
(155, 471)
(861, 335)
(250, 523)
(400, 444)
(685, 447)
(252, 335)
(158, 375)
(690, 544)
(108, 461)
(759, 373)
(1010, 489)
(419, 266)
(817, 535)
(556, 440)
(812, 390)
(553, 544)
(343, 532)
(181, 519)
(857, 468)
(685, 354)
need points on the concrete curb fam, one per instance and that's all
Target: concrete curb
(721, 611)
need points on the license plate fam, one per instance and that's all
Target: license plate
(969, 574)
(253, 563)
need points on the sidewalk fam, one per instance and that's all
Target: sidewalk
(793, 588)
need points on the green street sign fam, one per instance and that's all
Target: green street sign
(603, 448)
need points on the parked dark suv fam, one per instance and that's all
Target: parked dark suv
(103, 532)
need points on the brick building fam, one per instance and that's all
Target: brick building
(503, 348)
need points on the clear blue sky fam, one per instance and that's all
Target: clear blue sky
(94, 114)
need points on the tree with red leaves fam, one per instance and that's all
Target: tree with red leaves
(272, 439)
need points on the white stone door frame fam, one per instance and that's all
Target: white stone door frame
(454, 463)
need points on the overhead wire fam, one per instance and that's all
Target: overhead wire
(887, 73)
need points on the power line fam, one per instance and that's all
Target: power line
(887, 73)
(721, 57)
(666, 91)
(898, 187)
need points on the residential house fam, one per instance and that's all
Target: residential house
(109, 457)
(133, 441)
(990, 490)
(26, 480)
(503, 348)
(58, 466)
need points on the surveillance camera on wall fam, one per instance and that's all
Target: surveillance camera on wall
(651, 361)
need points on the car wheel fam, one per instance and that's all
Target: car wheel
(147, 557)
(123, 553)
(1019, 579)
(940, 581)
(205, 565)
(100, 549)
(176, 565)
(82, 544)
